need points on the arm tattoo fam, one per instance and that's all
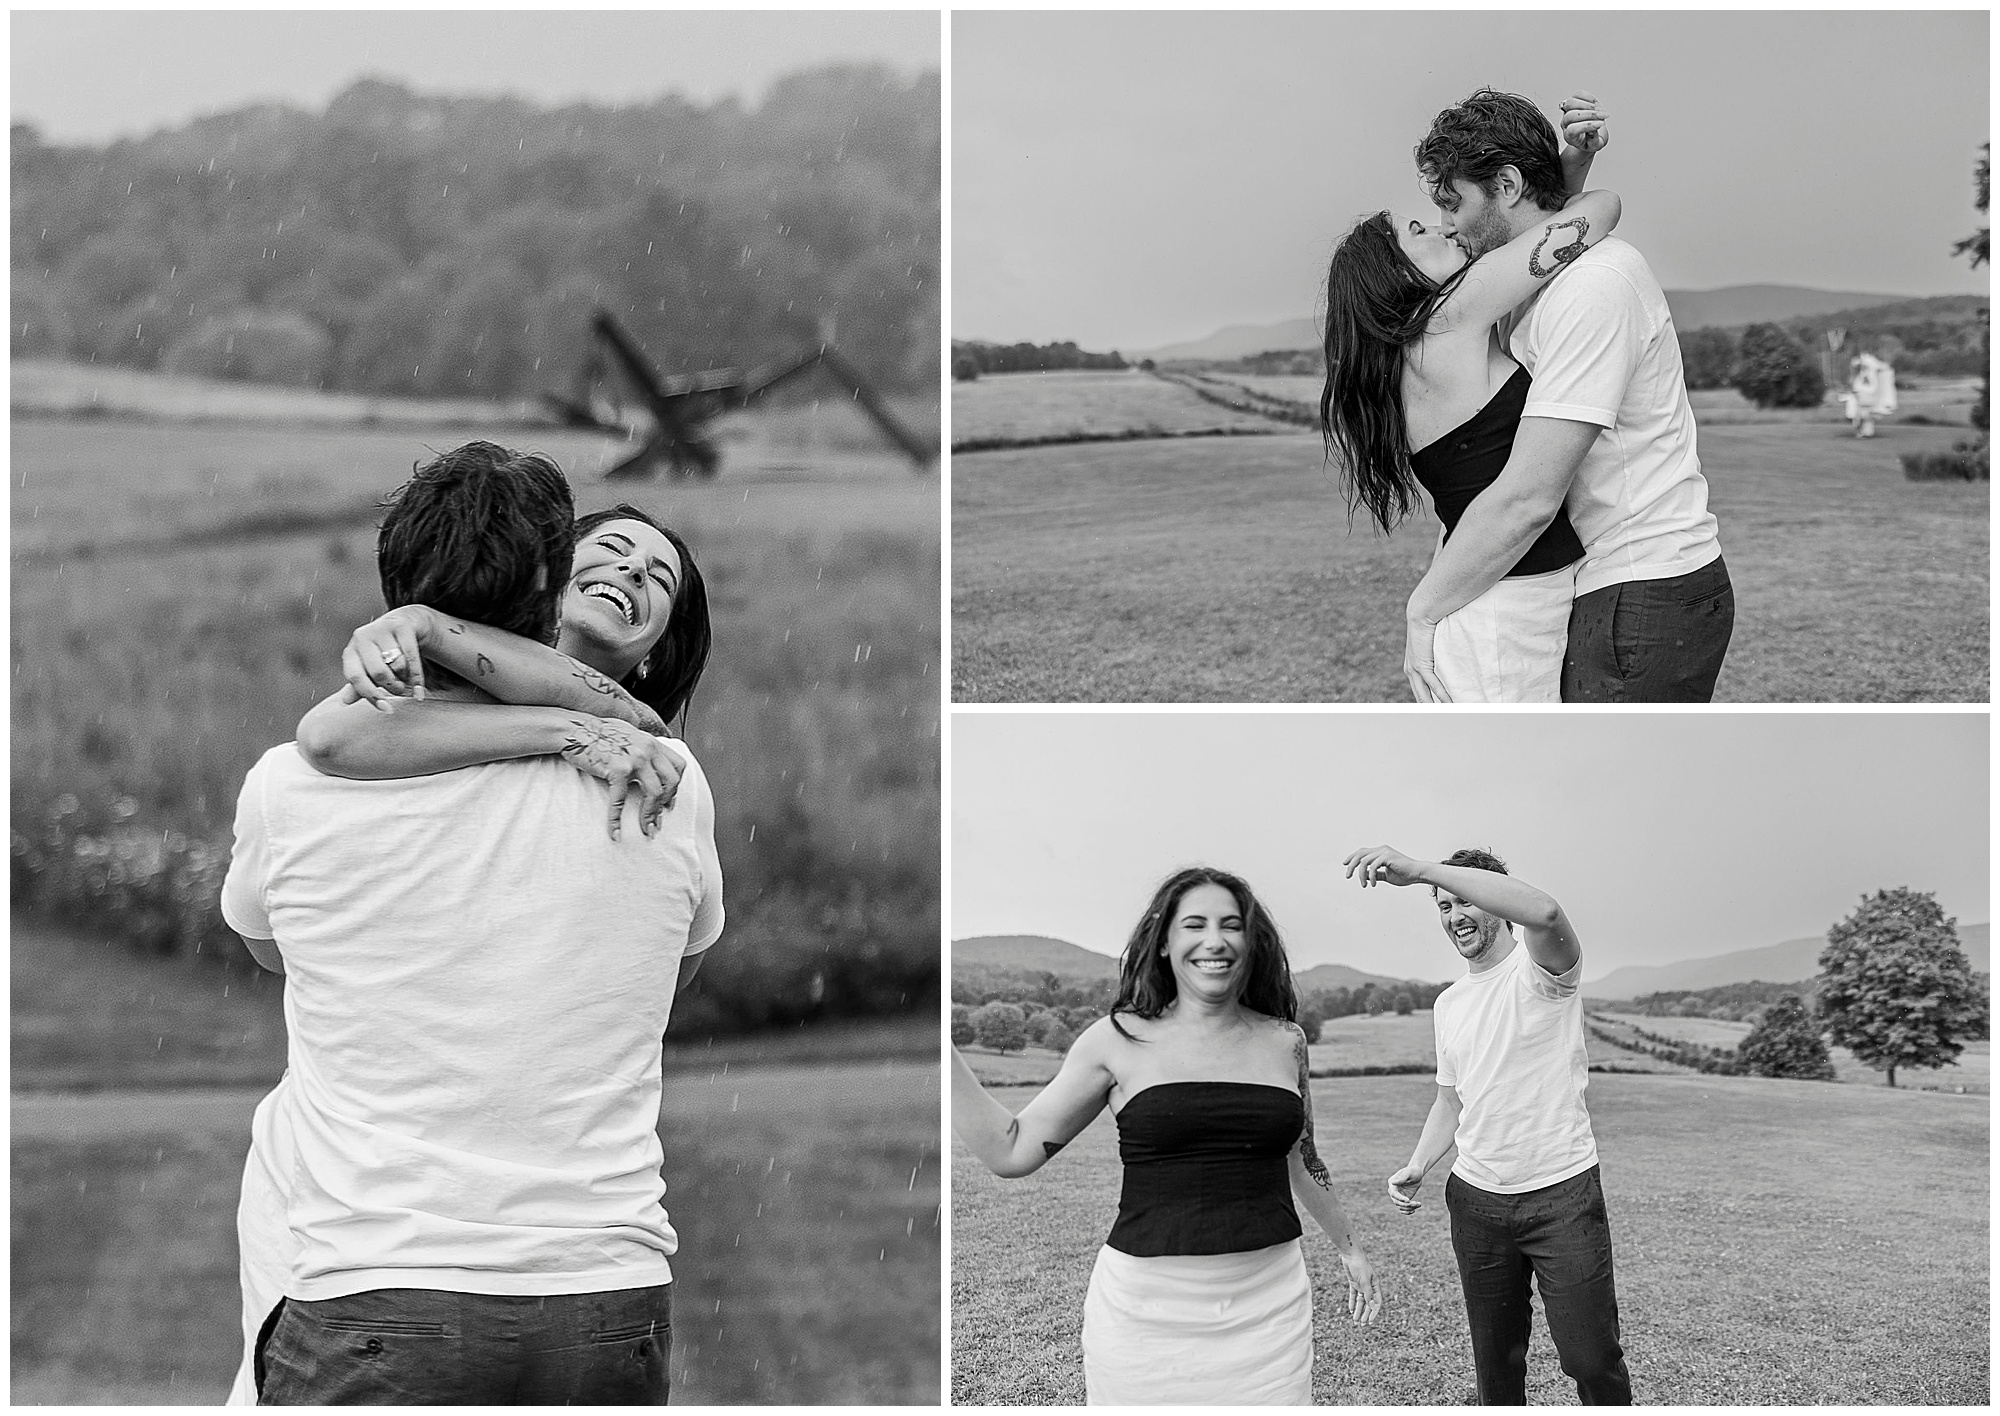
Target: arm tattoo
(482, 665)
(1315, 1167)
(1561, 255)
(1050, 1148)
(591, 747)
(649, 721)
(594, 681)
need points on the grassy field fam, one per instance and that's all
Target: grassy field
(806, 1198)
(1071, 575)
(1973, 1071)
(1082, 403)
(1778, 1243)
(181, 592)
(1344, 1045)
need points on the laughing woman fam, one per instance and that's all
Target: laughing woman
(1200, 1294)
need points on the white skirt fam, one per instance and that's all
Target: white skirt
(1199, 1329)
(1507, 646)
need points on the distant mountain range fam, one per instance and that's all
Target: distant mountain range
(1793, 961)
(1037, 953)
(1692, 309)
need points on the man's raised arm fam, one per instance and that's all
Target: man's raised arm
(1546, 930)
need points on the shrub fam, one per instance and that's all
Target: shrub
(1309, 1024)
(1405, 1005)
(1786, 1043)
(961, 1025)
(1773, 371)
(1707, 358)
(256, 346)
(1966, 462)
(964, 368)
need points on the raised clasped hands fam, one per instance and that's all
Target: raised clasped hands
(1585, 125)
(1382, 865)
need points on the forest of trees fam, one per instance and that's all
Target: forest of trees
(403, 243)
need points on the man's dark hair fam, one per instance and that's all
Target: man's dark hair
(483, 533)
(1473, 858)
(1473, 140)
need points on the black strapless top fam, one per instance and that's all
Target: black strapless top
(1464, 462)
(1205, 1169)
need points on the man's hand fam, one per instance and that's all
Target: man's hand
(1419, 654)
(1403, 1187)
(1382, 865)
(383, 660)
(1585, 126)
(629, 761)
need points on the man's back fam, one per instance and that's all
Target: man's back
(478, 979)
(1601, 348)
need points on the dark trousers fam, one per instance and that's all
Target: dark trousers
(1562, 1237)
(1650, 641)
(423, 1347)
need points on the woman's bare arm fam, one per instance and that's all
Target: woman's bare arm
(1313, 1186)
(383, 663)
(1011, 1145)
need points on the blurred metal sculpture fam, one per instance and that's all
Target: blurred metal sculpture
(679, 408)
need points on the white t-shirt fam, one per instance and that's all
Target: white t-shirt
(1510, 1042)
(1600, 345)
(477, 982)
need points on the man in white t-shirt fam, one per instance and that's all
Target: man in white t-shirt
(1607, 434)
(478, 978)
(1524, 1194)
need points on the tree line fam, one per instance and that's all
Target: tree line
(971, 358)
(406, 243)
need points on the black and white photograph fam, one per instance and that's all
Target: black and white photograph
(475, 922)
(1470, 1058)
(1495, 357)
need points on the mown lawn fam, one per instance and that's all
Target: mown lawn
(1083, 403)
(1223, 570)
(1778, 1243)
(806, 1198)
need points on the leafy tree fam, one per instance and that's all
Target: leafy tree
(964, 368)
(1786, 1043)
(961, 1025)
(1707, 358)
(1001, 1026)
(1309, 1023)
(1375, 1005)
(1692, 1006)
(1895, 987)
(1405, 1005)
(1773, 371)
(1978, 248)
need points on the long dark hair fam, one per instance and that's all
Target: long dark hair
(1146, 984)
(666, 678)
(1377, 302)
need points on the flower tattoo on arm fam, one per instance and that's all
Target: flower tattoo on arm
(1308, 1155)
(1561, 255)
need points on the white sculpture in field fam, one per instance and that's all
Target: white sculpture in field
(1871, 394)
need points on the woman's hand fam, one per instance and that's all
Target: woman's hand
(1585, 126)
(628, 760)
(1419, 660)
(1364, 1299)
(383, 660)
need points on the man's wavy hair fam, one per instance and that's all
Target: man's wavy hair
(1146, 986)
(1474, 858)
(481, 532)
(665, 680)
(1473, 140)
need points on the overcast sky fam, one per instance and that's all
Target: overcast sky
(1131, 179)
(89, 77)
(1665, 836)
